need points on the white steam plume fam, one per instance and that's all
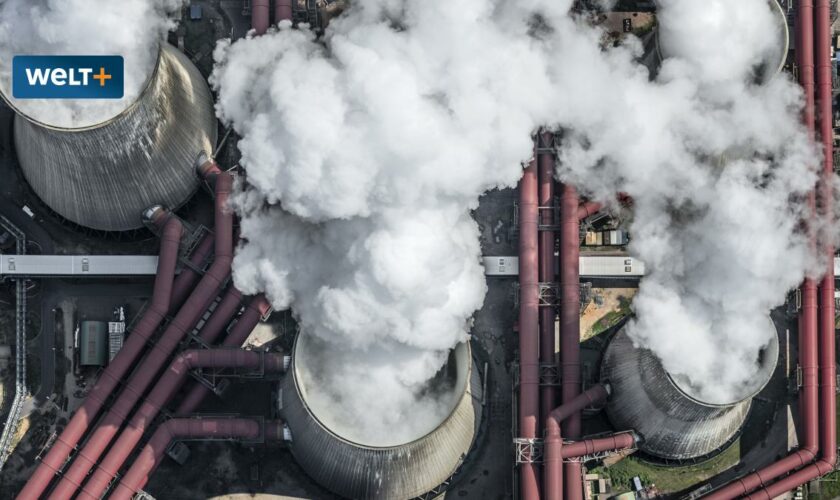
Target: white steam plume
(130, 28)
(364, 155)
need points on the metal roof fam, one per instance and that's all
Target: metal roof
(137, 265)
(590, 266)
(93, 343)
(77, 265)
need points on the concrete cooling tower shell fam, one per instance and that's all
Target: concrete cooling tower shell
(773, 64)
(354, 470)
(104, 176)
(674, 424)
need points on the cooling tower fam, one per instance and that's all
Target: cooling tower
(356, 470)
(103, 176)
(674, 422)
(773, 63)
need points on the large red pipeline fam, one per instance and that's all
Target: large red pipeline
(828, 367)
(812, 434)
(807, 452)
(555, 451)
(260, 17)
(529, 369)
(180, 325)
(221, 316)
(548, 312)
(246, 323)
(160, 395)
(588, 209)
(186, 428)
(570, 328)
(282, 10)
(827, 355)
(116, 370)
(188, 277)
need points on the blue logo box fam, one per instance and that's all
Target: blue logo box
(68, 77)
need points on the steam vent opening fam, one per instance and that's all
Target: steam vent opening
(772, 62)
(102, 164)
(415, 456)
(676, 420)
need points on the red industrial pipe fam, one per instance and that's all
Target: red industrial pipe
(570, 327)
(188, 276)
(225, 310)
(160, 395)
(588, 209)
(180, 325)
(116, 370)
(187, 428)
(282, 10)
(808, 319)
(260, 18)
(529, 369)
(827, 355)
(256, 310)
(807, 403)
(553, 456)
(548, 312)
(556, 451)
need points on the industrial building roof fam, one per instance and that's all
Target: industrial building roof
(93, 343)
(77, 265)
(590, 266)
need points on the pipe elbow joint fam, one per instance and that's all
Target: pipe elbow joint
(156, 216)
(206, 167)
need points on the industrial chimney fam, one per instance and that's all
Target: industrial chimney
(102, 176)
(332, 454)
(674, 420)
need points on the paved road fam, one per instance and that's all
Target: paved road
(35, 233)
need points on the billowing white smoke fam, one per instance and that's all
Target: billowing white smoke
(717, 167)
(365, 154)
(131, 28)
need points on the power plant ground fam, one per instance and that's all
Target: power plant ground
(667, 479)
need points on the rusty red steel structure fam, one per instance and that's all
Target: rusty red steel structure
(257, 309)
(189, 275)
(110, 379)
(548, 311)
(536, 322)
(588, 209)
(282, 11)
(260, 16)
(183, 429)
(556, 451)
(186, 318)
(529, 369)
(570, 381)
(165, 388)
(817, 350)
(227, 307)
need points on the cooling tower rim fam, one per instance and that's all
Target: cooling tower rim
(767, 370)
(147, 85)
(776, 6)
(466, 394)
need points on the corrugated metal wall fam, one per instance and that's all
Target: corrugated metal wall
(645, 399)
(103, 177)
(406, 471)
